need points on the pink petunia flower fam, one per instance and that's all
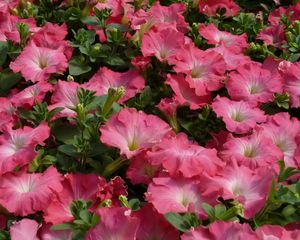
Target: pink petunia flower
(154, 226)
(7, 113)
(115, 223)
(38, 63)
(31, 95)
(52, 36)
(221, 231)
(233, 60)
(158, 15)
(162, 43)
(105, 78)
(213, 35)
(185, 94)
(240, 117)
(210, 7)
(284, 132)
(75, 186)
(24, 193)
(17, 147)
(253, 151)
(205, 69)
(133, 131)
(177, 195)
(249, 187)
(26, 229)
(291, 76)
(272, 232)
(180, 156)
(65, 96)
(141, 170)
(273, 35)
(253, 83)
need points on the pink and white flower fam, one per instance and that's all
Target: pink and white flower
(31, 95)
(177, 195)
(162, 43)
(221, 231)
(239, 116)
(105, 78)
(38, 63)
(17, 147)
(24, 193)
(115, 223)
(205, 69)
(75, 186)
(184, 94)
(253, 151)
(154, 226)
(133, 131)
(253, 83)
(26, 229)
(249, 187)
(213, 35)
(179, 156)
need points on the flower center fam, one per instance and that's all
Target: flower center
(133, 145)
(250, 152)
(43, 63)
(197, 72)
(237, 116)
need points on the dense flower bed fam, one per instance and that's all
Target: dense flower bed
(135, 119)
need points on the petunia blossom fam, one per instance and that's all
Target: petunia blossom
(205, 69)
(253, 151)
(31, 95)
(154, 225)
(239, 116)
(214, 36)
(115, 223)
(25, 193)
(253, 83)
(221, 230)
(133, 131)
(180, 156)
(17, 147)
(26, 229)
(162, 43)
(38, 63)
(210, 7)
(249, 187)
(105, 78)
(178, 195)
(75, 186)
(184, 94)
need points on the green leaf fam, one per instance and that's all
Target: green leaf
(65, 133)
(91, 20)
(135, 204)
(77, 67)
(7, 80)
(180, 222)
(209, 210)
(3, 52)
(85, 215)
(70, 150)
(115, 61)
(63, 226)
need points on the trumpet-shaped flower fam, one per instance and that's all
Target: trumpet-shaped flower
(26, 229)
(253, 83)
(180, 156)
(133, 131)
(105, 78)
(239, 116)
(205, 69)
(38, 63)
(210, 7)
(253, 151)
(17, 147)
(24, 193)
(115, 223)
